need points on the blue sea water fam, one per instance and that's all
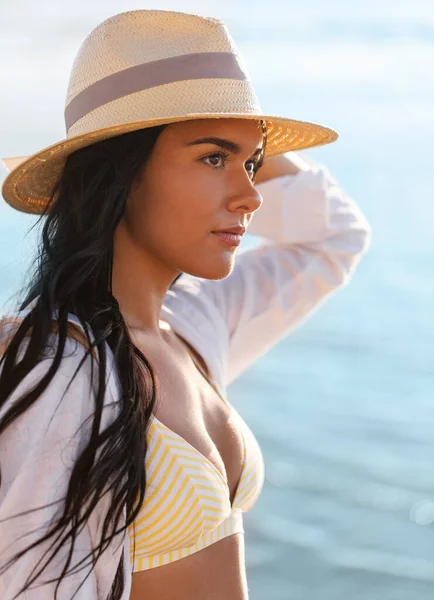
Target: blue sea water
(344, 406)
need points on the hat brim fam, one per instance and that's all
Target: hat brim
(29, 185)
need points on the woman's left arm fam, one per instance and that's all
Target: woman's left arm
(313, 236)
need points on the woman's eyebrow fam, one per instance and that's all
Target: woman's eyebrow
(223, 143)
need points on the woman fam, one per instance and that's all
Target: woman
(136, 317)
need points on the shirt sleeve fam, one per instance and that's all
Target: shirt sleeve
(37, 454)
(312, 237)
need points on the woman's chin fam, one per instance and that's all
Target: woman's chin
(219, 268)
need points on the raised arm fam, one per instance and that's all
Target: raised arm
(313, 237)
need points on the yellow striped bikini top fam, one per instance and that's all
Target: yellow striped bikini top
(187, 503)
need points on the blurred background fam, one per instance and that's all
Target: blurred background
(344, 406)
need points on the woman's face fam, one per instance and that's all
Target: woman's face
(190, 188)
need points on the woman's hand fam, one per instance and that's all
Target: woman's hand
(283, 164)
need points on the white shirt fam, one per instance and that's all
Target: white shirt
(313, 237)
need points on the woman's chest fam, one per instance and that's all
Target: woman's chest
(188, 406)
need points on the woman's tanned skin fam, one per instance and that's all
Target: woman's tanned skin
(185, 191)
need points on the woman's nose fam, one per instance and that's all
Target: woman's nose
(247, 200)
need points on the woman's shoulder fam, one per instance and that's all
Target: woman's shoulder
(76, 342)
(76, 361)
(66, 392)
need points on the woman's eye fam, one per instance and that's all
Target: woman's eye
(255, 165)
(216, 160)
(252, 168)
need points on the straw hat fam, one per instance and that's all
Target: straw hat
(144, 68)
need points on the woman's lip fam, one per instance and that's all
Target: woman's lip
(232, 239)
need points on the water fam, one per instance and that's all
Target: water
(343, 407)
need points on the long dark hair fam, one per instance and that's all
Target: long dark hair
(73, 274)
